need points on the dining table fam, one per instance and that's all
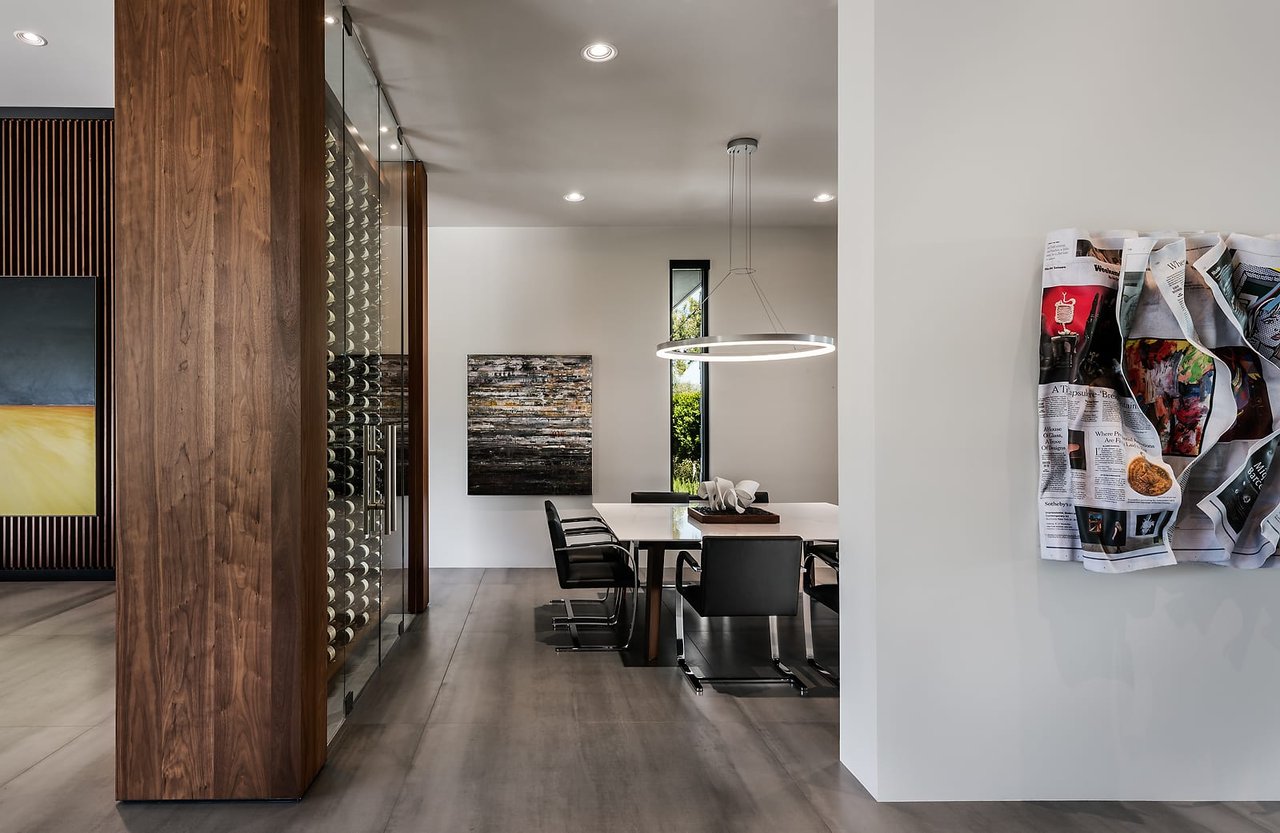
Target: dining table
(658, 527)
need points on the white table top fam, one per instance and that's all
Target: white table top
(665, 522)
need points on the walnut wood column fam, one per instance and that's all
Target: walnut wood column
(221, 394)
(419, 520)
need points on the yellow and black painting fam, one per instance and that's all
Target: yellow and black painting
(48, 396)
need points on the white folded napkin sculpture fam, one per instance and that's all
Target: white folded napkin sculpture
(722, 494)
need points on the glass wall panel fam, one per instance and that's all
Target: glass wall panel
(364, 178)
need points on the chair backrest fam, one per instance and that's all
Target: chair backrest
(751, 576)
(558, 540)
(762, 496)
(661, 497)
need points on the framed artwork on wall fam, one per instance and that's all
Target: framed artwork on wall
(528, 425)
(48, 396)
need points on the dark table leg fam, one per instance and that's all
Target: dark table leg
(653, 599)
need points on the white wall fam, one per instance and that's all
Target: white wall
(994, 675)
(604, 291)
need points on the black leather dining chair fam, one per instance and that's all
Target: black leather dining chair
(826, 593)
(741, 576)
(604, 565)
(582, 551)
(661, 497)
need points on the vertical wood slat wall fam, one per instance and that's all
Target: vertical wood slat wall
(56, 182)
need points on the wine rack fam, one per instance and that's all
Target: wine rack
(353, 291)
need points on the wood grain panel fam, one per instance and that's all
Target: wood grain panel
(56, 221)
(220, 373)
(419, 516)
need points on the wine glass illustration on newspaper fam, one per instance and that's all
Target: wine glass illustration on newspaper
(1063, 313)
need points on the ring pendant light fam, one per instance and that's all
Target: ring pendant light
(778, 345)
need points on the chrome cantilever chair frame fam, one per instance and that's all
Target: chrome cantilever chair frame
(572, 623)
(785, 675)
(808, 576)
(590, 620)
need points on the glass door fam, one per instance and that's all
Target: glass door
(394, 403)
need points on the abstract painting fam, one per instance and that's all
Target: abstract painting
(48, 396)
(528, 425)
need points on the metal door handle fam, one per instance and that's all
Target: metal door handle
(391, 500)
(371, 502)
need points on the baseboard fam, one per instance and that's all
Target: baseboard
(57, 575)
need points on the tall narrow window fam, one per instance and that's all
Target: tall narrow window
(690, 451)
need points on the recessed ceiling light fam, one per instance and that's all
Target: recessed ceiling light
(824, 198)
(330, 19)
(393, 146)
(30, 38)
(574, 196)
(600, 52)
(383, 129)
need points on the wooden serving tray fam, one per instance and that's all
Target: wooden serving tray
(753, 515)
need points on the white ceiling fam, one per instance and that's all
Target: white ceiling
(74, 70)
(496, 99)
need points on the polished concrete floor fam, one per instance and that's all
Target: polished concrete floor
(476, 724)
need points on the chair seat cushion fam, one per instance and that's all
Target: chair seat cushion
(603, 572)
(696, 596)
(827, 594)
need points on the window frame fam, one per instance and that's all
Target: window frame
(704, 432)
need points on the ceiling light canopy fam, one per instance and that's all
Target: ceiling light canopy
(599, 52)
(779, 345)
(824, 198)
(30, 38)
(574, 196)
